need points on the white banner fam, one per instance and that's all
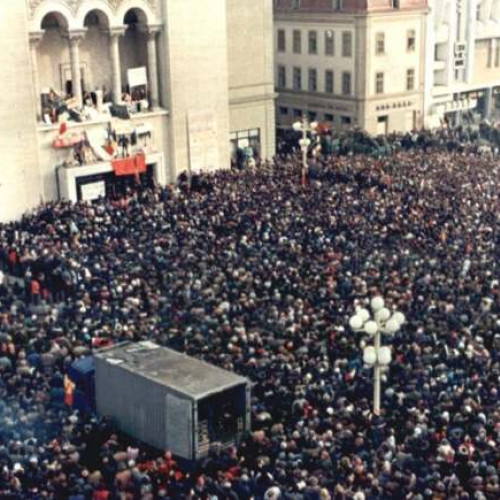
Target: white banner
(203, 141)
(137, 76)
(93, 190)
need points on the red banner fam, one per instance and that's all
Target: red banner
(133, 165)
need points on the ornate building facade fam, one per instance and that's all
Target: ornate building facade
(351, 62)
(463, 61)
(187, 82)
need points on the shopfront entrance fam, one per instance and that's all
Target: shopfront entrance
(90, 182)
(382, 125)
(110, 186)
(244, 144)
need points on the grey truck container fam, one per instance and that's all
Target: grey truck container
(170, 400)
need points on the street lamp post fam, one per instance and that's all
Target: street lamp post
(304, 126)
(376, 356)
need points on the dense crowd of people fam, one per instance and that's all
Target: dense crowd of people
(478, 138)
(258, 273)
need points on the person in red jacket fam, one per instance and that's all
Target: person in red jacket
(101, 494)
(13, 261)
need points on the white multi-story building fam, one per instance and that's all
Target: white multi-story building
(351, 62)
(205, 92)
(463, 60)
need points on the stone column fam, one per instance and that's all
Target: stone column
(452, 38)
(495, 10)
(74, 38)
(35, 38)
(151, 33)
(114, 34)
(470, 37)
(486, 8)
(492, 52)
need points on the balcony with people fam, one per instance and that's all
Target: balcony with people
(96, 83)
(93, 64)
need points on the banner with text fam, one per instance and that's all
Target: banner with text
(203, 141)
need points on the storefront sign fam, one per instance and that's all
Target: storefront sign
(335, 107)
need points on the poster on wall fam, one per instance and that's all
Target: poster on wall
(203, 141)
(138, 84)
(93, 190)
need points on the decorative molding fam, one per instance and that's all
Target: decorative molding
(151, 30)
(74, 5)
(116, 31)
(75, 36)
(35, 37)
(33, 5)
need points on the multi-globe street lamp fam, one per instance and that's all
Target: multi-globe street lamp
(304, 126)
(377, 356)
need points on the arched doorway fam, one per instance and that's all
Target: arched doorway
(53, 54)
(95, 54)
(133, 49)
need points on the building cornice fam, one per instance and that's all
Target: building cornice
(235, 101)
(74, 5)
(344, 17)
(317, 95)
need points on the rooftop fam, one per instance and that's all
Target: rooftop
(184, 374)
(352, 6)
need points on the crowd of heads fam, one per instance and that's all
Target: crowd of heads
(258, 273)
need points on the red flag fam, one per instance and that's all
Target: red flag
(69, 391)
(134, 165)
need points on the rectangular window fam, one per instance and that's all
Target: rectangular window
(345, 120)
(297, 113)
(410, 79)
(312, 116)
(380, 43)
(411, 41)
(281, 41)
(283, 110)
(297, 42)
(328, 117)
(346, 83)
(379, 83)
(313, 80)
(329, 81)
(346, 44)
(297, 79)
(313, 42)
(281, 77)
(246, 139)
(329, 43)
